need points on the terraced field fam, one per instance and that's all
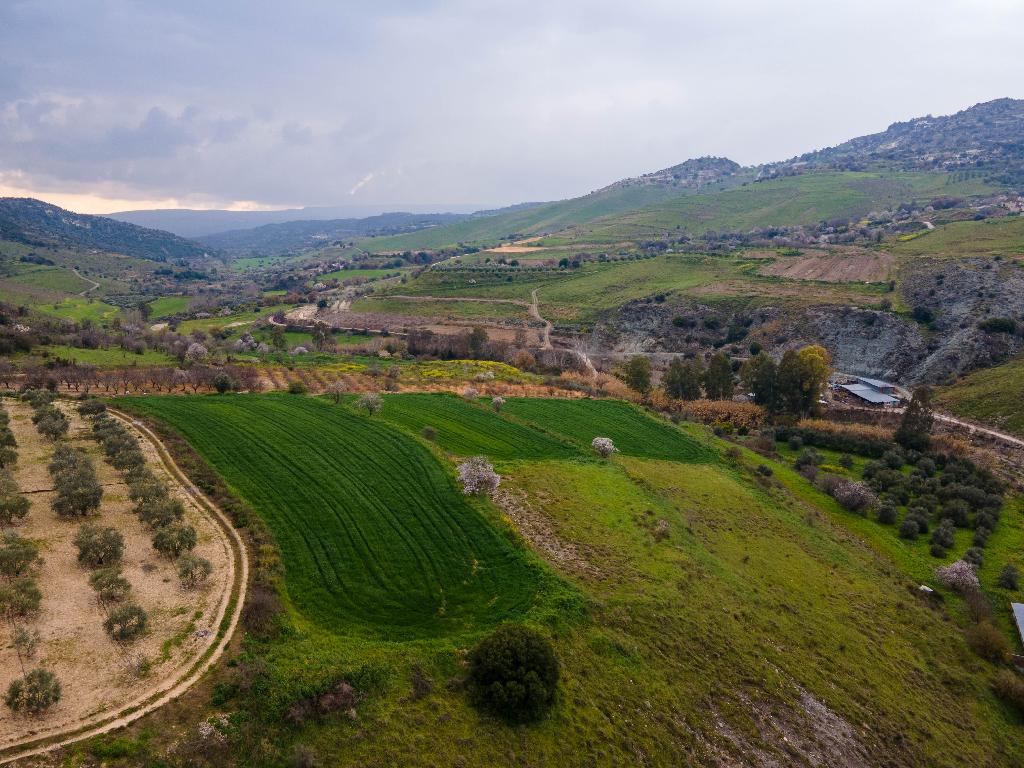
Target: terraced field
(466, 429)
(375, 537)
(633, 433)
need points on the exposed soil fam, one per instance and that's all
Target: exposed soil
(535, 528)
(834, 266)
(99, 676)
(515, 249)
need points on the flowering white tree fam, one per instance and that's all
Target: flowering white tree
(958, 576)
(196, 351)
(497, 403)
(470, 394)
(478, 476)
(604, 446)
(371, 401)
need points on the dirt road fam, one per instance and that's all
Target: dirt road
(545, 341)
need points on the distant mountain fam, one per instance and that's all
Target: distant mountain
(987, 137)
(199, 223)
(30, 221)
(695, 174)
(295, 236)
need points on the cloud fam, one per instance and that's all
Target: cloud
(452, 101)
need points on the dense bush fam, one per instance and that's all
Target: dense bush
(193, 570)
(175, 539)
(110, 586)
(988, 642)
(1009, 577)
(98, 547)
(126, 622)
(91, 408)
(513, 674)
(33, 694)
(1009, 687)
(19, 598)
(841, 441)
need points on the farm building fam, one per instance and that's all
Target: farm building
(872, 391)
(1018, 617)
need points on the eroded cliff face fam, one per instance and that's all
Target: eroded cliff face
(865, 341)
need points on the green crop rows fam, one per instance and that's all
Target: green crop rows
(634, 433)
(375, 537)
(467, 429)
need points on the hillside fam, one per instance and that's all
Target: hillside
(33, 222)
(294, 236)
(988, 137)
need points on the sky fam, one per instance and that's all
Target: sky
(110, 105)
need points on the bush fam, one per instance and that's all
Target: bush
(97, 546)
(33, 694)
(988, 642)
(193, 570)
(974, 556)
(887, 512)
(172, 540)
(429, 433)
(909, 528)
(126, 622)
(262, 608)
(110, 586)
(92, 408)
(297, 387)
(998, 325)
(1008, 577)
(943, 536)
(1009, 687)
(513, 674)
(796, 442)
(17, 555)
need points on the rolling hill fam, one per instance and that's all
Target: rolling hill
(33, 222)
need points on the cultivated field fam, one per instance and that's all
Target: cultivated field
(835, 266)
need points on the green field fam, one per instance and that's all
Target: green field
(468, 429)
(990, 237)
(166, 306)
(458, 310)
(375, 537)
(634, 433)
(760, 602)
(992, 396)
(239, 319)
(112, 357)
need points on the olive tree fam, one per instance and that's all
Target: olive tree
(98, 547)
(34, 693)
(193, 570)
(126, 622)
(172, 540)
(17, 555)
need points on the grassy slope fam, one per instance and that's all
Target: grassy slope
(755, 591)
(990, 237)
(166, 306)
(992, 396)
(549, 217)
(640, 212)
(457, 310)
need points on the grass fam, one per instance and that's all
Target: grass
(990, 237)
(701, 641)
(468, 429)
(52, 279)
(991, 396)
(111, 357)
(166, 306)
(240, 318)
(633, 432)
(457, 310)
(401, 558)
(367, 274)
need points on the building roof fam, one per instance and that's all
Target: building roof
(1018, 615)
(876, 383)
(868, 393)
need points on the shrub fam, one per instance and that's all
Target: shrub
(1008, 577)
(513, 674)
(91, 408)
(796, 442)
(160, 512)
(604, 446)
(429, 433)
(98, 546)
(17, 555)
(297, 387)
(808, 458)
(893, 459)
(497, 403)
(846, 461)
(1009, 687)
(974, 556)
(909, 528)
(998, 325)
(943, 536)
(110, 586)
(172, 540)
(262, 608)
(958, 576)
(988, 642)
(477, 476)
(20, 598)
(887, 512)
(854, 496)
(126, 622)
(193, 570)
(34, 693)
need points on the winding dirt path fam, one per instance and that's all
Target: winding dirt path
(545, 342)
(94, 286)
(227, 619)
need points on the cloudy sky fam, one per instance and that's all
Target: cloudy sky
(110, 104)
